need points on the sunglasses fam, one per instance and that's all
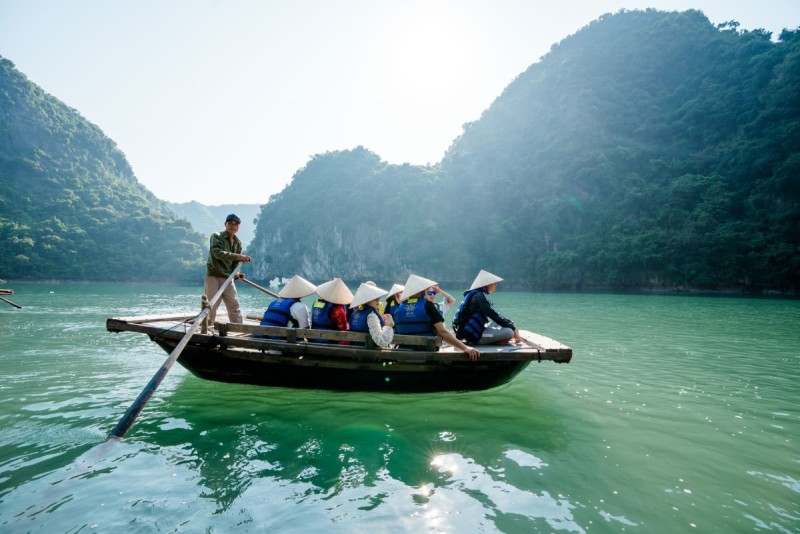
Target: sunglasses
(234, 222)
(430, 292)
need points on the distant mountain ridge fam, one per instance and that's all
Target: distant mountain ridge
(209, 219)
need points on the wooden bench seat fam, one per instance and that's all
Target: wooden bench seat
(295, 335)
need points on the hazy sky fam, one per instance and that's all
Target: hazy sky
(222, 101)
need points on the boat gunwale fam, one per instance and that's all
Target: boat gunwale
(239, 335)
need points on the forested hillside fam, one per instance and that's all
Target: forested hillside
(70, 206)
(648, 150)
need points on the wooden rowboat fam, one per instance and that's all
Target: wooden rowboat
(238, 353)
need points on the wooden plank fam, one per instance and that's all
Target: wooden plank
(310, 333)
(319, 353)
(291, 335)
(541, 342)
(114, 324)
(283, 332)
(177, 317)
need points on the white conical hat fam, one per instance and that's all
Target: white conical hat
(297, 288)
(366, 292)
(485, 278)
(414, 285)
(335, 291)
(397, 288)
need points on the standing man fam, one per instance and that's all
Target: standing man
(224, 251)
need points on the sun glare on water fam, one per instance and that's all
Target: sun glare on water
(445, 463)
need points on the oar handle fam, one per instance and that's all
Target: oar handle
(128, 419)
(264, 289)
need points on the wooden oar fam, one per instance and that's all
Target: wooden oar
(130, 416)
(264, 289)
(15, 305)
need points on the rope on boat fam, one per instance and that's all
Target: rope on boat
(161, 334)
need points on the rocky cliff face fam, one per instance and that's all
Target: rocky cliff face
(350, 215)
(353, 253)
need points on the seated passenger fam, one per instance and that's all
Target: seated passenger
(329, 312)
(393, 299)
(476, 320)
(288, 310)
(418, 315)
(365, 314)
(445, 304)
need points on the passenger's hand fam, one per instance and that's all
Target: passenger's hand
(516, 336)
(472, 352)
(387, 320)
(244, 258)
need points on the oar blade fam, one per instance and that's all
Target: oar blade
(17, 306)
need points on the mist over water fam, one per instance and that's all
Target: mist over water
(676, 414)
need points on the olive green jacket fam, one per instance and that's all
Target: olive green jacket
(221, 255)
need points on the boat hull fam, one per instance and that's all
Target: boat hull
(388, 375)
(249, 353)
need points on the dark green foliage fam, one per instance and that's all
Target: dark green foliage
(70, 206)
(644, 144)
(649, 150)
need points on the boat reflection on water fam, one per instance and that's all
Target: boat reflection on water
(316, 457)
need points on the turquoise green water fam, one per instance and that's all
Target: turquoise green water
(677, 414)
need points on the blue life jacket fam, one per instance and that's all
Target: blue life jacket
(470, 328)
(321, 316)
(391, 306)
(411, 319)
(321, 319)
(278, 313)
(358, 319)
